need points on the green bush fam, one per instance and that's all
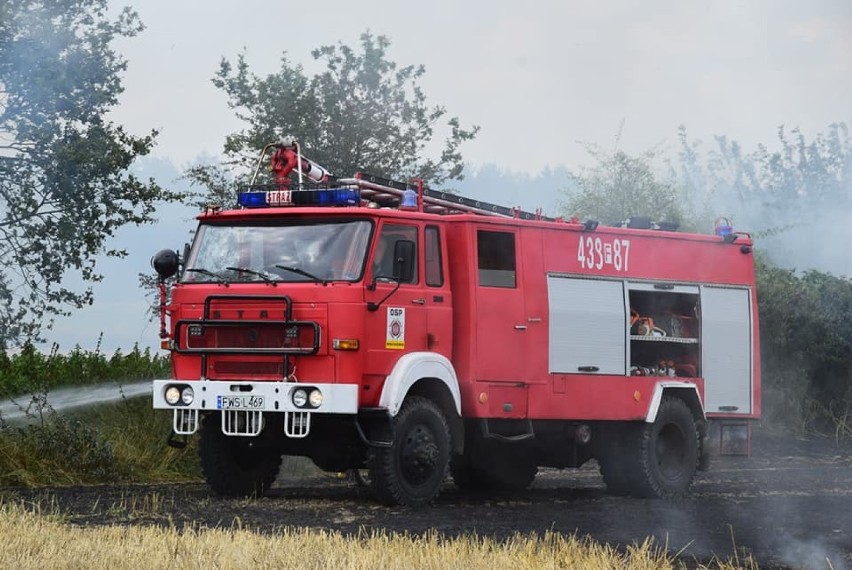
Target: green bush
(120, 442)
(30, 371)
(123, 441)
(806, 348)
(71, 449)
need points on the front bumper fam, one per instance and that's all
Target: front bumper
(214, 395)
(243, 405)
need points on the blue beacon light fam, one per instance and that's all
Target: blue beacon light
(409, 199)
(722, 227)
(326, 197)
(252, 199)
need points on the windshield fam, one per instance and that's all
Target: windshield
(318, 251)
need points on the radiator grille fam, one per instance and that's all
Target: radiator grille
(249, 368)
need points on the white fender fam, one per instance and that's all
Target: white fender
(656, 398)
(411, 368)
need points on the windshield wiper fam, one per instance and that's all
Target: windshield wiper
(262, 274)
(207, 272)
(302, 272)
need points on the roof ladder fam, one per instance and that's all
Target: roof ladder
(388, 192)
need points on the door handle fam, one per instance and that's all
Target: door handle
(520, 327)
(588, 368)
(419, 301)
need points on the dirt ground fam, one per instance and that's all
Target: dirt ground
(789, 504)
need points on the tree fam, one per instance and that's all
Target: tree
(621, 186)
(806, 346)
(362, 113)
(64, 187)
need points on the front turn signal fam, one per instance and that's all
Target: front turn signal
(345, 344)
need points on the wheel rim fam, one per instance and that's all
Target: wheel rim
(419, 455)
(671, 450)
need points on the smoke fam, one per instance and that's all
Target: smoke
(810, 554)
(794, 196)
(529, 191)
(816, 543)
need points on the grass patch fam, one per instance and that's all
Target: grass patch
(120, 442)
(35, 539)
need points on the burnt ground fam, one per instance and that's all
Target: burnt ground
(789, 505)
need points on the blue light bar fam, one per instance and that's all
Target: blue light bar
(253, 199)
(327, 197)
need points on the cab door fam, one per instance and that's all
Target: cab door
(439, 300)
(501, 323)
(398, 325)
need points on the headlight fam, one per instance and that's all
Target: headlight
(172, 395)
(315, 398)
(187, 395)
(300, 398)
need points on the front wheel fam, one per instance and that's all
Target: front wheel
(236, 466)
(411, 471)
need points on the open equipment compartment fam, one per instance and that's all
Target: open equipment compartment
(664, 330)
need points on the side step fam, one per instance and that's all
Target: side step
(372, 417)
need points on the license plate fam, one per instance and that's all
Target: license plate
(239, 402)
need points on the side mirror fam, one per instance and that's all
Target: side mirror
(404, 255)
(404, 259)
(165, 262)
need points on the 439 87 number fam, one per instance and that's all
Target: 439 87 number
(597, 253)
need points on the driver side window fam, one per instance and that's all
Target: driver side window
(383, 257)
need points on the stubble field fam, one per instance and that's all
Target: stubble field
(787, 505)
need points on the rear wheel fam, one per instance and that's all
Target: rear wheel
(668, 452)
(236, 466)
(654, 460)
(411, 471)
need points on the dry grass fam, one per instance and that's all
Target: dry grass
(33, 539)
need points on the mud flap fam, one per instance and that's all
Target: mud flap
(703, 445)
(704, 455)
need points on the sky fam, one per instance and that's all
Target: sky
(541, 80)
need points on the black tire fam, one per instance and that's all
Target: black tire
(236, 466)
(656, 460)
(411, 471)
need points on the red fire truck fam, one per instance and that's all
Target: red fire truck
(382, 326)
